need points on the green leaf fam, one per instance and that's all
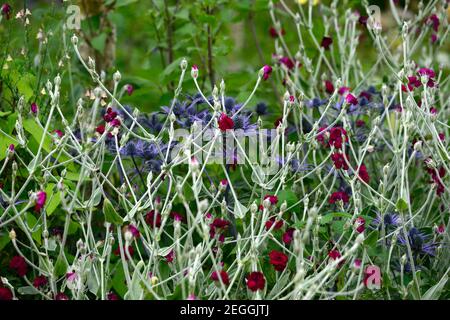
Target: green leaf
(4, 240)
(32, 224)
(136, 292)
(60, 266)
(371, 239)
(111, 214)
(287, 195)
(329, 216)
(98, 43)
(54, 199)
(435, 291)
(122, 3)
(401, 205)
(28, 290)
(26, 86)
(36, 131)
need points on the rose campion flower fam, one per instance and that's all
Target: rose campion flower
(41, 198)
(278, 260)
(112, 296)
(363, 174)
(170, 256)
(6, 11)
(19, 265)
(130, 251)
(267, 70)
(222, 275)
(329, 87)
(343, 90)
(351, 99)
(34, 108)
(288, 236)
(360, 224)
(340, 160)
(39, 282)
(5, 294)
(129, 88)
(278, 224)
(152, 219)
(275, 34)
(338, 195)
(225, 122)
(287, 62)
(61, 296)
(256, 281)
(273, 199)
(326, 43)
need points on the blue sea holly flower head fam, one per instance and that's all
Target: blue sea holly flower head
(418, 242)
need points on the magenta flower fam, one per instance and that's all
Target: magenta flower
(434, 21)
(363, 174)
(5, 294)
(19, 265)
(338, 195)
(272, 221)
(275, 34)
(177, 216)
(225, 122)
(71, 276)
(41, 198)
(288, 236)
(326, 43)
(360, 224)
(278, 259)
(343, 90)
(59, 133)
(134, 231)
(329, 87)
(351, 99)
(256, 281)
(339, 160)
(61, 296)
(334, 254)
(267, 70)
(34, 108)
(129, 88)
(39, 282)
(6, 10)
(427, 72)
(273, 199)
(287, 62)
(170, 256)
(222, 275)
(112, 296)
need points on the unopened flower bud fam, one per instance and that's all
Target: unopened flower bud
(117, 76)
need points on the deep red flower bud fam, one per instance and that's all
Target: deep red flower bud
(267, 70)
(326, 43)
(329, 87)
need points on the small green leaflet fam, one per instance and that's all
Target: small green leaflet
(111, 214)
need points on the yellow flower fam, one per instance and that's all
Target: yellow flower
(315, 2)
